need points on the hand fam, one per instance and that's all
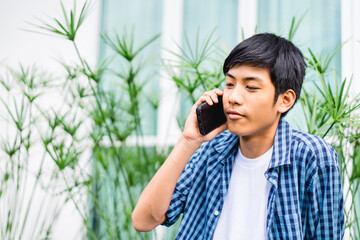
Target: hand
(191, 130)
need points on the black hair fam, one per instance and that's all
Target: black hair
(283, 59)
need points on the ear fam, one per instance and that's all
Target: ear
(286, 100)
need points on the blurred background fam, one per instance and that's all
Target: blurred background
(88, 116)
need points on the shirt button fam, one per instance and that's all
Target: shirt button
(216, 213)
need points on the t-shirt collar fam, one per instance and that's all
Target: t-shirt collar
(281, 148)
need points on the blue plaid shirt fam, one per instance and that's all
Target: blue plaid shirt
(305, 199)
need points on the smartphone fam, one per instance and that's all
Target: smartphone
(210, 117)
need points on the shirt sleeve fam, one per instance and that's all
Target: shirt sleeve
(326, 215)
(181, 191)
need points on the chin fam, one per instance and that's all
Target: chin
(236, 130)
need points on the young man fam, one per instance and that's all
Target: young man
(261, 179)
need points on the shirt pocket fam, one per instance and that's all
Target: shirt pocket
(288, 226)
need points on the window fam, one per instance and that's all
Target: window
(319, 30)
(145, 19)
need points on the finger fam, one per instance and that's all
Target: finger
(210, 97)
(214, 95)
(210, 100)
(207, 98)
(215, 90)
(202, 99)
(218, 91)
(206, 93)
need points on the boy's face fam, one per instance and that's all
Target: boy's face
(249, 101)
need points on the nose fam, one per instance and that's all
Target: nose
(236, 97)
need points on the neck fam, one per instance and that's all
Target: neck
(256, 145)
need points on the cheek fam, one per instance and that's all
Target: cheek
(225, 99)
(225, 102)
(263, 107)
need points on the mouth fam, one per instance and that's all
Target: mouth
(232, 114)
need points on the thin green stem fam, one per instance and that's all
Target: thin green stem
(355, 211)
(198, 74)
(16, 213)
(95, 94)
(26, 175)
(102, 215)
(37, 180)
(329, 129)
(43, 201)
(78, 54)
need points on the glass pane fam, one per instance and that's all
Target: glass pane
(144, 18)
(200, 19)
(207, 15)
(320, 30)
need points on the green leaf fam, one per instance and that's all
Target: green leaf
(294, 26)
(66, 25)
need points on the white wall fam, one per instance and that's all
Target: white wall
(18, 46)
(350, 60)
(350, 35)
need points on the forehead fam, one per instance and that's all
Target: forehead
(247, 71)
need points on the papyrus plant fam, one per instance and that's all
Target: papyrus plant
(327, 106)
(81, 128)
(333, 113)
(27, 204)
(78, 131)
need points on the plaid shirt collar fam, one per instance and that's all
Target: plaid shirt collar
(281, 150)
(202, 187)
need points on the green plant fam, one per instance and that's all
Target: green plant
(91, 125)
(330, 112)
(23, 182)
(197, 69)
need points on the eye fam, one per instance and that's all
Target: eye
(229, 84)
(251, 88)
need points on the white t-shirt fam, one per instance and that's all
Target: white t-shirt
(245, 207)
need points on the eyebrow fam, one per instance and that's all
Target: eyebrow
(245, 79)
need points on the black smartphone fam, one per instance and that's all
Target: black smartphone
(210, 117)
